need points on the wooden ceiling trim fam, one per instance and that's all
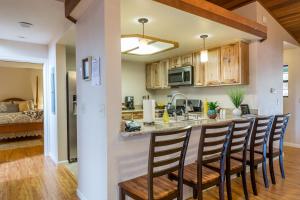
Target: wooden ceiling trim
(218, 14)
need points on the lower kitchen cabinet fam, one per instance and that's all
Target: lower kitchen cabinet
(132, 115)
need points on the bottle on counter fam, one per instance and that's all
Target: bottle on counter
(205, 107)
(166, 118)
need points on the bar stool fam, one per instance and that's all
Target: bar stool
(213, 145)
(259, 139)
(277, 134)
(166, 154)
(237, 144)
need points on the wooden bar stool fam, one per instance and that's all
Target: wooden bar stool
(166, 154)
(259, 139)
(277, 134)
(237, 144)
(213, 145)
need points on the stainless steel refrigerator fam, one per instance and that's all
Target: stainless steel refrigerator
(72, 116)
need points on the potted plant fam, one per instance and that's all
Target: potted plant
(212, 110)
(236, 96)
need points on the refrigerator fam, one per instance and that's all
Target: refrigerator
(71, 116)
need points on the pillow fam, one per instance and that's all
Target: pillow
(12, 108)
(29, 102)
(3, 106)
(24, 106)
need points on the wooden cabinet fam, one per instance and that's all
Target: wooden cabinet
(198, 70)
(164, 67)
(187, 60)
(234, 63)
(227, 65)
(175, 62)
(212, 68)
(132, 115)
(157, 75)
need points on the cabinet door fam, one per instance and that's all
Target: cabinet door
(149, 77)
(175, 62)
(127, 116)
(187, 59)
(137, 115)
(230, 66)
(156, 75)
(212, 68)
(198, 70)
(164, 67)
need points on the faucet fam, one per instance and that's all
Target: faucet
(186, 115)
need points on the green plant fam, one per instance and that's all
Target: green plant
(212, 105)
(236, 96)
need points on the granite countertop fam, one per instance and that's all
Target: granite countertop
(138, 110)
(159, 125)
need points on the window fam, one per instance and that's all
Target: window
(285, 80)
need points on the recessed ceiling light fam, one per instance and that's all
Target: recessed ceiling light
(21, 37)
(25, 24)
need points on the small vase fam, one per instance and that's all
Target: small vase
(212, 114)
(236, 112)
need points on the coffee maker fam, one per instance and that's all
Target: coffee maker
(129, 102)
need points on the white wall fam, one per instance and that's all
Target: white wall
(292, 102)
(20, 83)
(99, 107)
(134, 81)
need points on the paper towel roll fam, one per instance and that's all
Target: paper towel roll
(149, 110)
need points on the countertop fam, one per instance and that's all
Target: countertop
(159, 125)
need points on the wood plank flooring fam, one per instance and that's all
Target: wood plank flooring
(25, 174)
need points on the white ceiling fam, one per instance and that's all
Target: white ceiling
(47, 17)
(169, 23)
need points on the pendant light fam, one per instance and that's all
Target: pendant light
(204, 52)
(143, 42)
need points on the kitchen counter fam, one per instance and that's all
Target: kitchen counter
(196, 121)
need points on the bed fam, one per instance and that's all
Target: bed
(17, 124)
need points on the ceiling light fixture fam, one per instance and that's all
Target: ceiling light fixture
(204, 52)
(25, 24)
(137, 44)
(142, 41)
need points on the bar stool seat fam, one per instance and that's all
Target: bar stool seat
(235, 166)
(162, 187)
(190, 175)
(258, 158)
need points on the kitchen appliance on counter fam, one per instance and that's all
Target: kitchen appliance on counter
(129, 102)
(194, 105)
(71, 116)
(181, 76)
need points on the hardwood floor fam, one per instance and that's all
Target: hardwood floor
(25, 174)
(288, 189)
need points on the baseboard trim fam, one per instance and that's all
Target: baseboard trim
(292, 145)
(80, 195)
(62, 162)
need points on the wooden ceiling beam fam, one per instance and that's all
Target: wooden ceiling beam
(218, 14)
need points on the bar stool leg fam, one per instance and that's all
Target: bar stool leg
(121, 194)
(228, 185)
(221, 188)
(281, 166)
(271, 166)
(253, 182)
(265, 175)
(244, 178)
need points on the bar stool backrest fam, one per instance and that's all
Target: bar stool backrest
(167, 154)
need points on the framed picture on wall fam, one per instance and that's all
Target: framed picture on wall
(87, 68)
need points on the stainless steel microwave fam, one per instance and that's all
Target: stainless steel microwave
(180, 76)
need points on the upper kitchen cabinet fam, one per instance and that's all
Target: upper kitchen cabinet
(187, 60)
(157, 75)
(235, 64)
(175, 62)
(212, 68)
(198, 70)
